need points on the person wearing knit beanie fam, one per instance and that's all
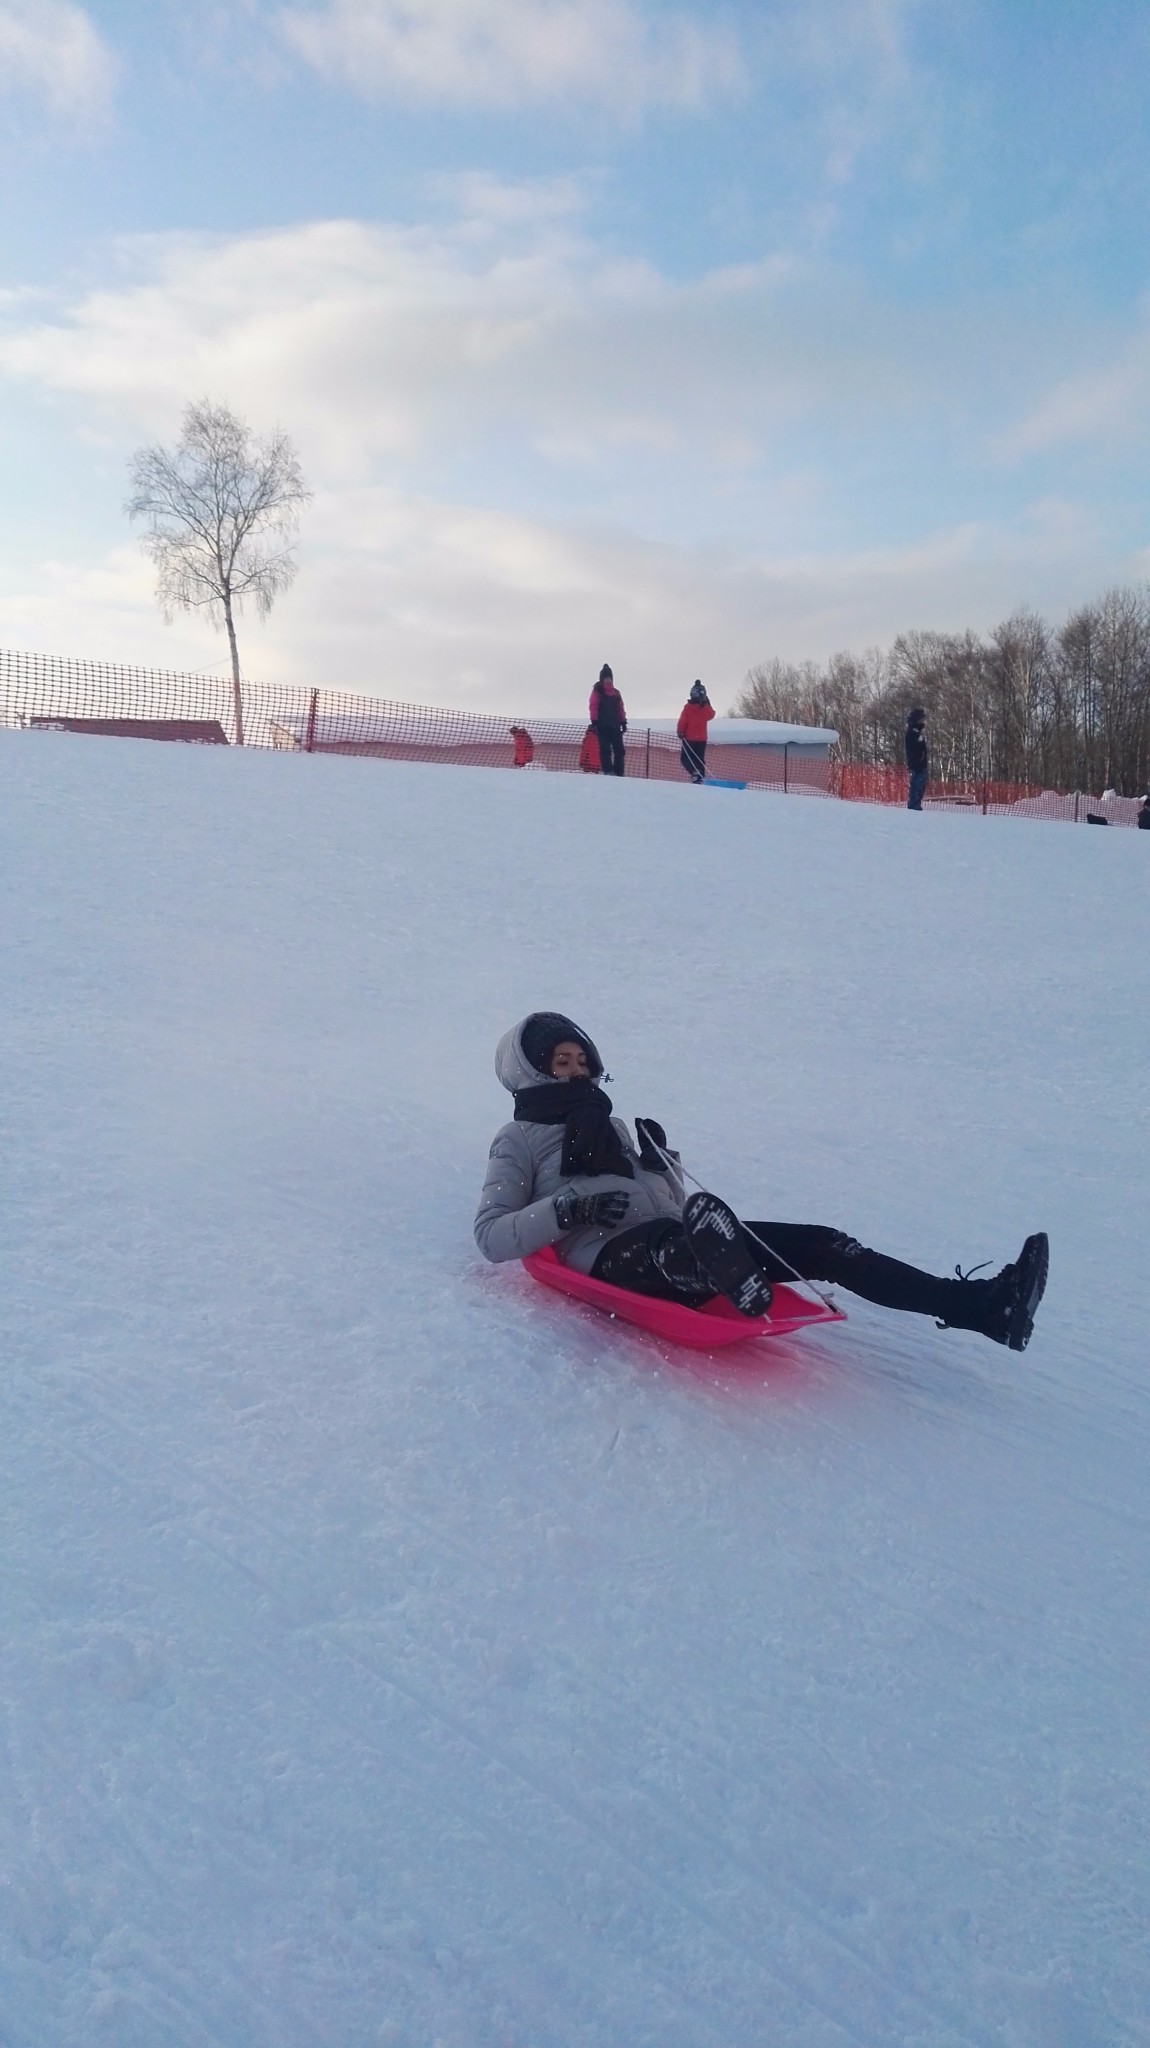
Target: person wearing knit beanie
(608, 715)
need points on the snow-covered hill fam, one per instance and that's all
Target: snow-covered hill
(396, 1654)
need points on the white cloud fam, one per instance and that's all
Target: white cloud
(440, 602)
(99, 608)
(484, 205)
(50, 49)
(842, 35)
(531, 457)
(506, 328)
(1105, 405)
(854, 58)
(430, 601)
(512, 53)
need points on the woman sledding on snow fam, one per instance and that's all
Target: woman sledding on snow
(565, 1172)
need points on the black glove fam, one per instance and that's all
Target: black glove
(573, 1211)
(651, 1135)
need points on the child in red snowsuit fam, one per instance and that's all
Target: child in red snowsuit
(524, 746)
(589, 753)
(694, 719)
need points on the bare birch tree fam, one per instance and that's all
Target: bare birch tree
(222, 510)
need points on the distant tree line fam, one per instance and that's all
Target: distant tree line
(1066, 709)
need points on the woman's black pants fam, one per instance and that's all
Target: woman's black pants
(610, 750)
(656, 1258)
(693, 759)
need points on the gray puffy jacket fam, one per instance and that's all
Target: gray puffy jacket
(516, 1213)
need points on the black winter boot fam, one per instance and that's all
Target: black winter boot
(1003, 1309)
(656, 1259)
(726, 1254)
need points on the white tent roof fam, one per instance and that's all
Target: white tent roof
(752, 732)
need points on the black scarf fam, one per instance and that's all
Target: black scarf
(591, 1144)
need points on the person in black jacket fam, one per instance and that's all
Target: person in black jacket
(609, 718)
(1144, 814)
(917, 758)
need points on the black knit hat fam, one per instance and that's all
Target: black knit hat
(606, 674)
(544, 1030)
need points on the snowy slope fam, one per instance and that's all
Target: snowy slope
(396, 1654)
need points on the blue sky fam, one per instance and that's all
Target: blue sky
(673, 336)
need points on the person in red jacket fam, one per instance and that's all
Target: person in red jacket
(609, 717)
(524, 746)
(694, 719)
(589, 752)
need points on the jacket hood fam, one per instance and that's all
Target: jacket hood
(512, 1066)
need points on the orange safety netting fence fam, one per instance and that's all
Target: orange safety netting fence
(859, 782)
(46, 692)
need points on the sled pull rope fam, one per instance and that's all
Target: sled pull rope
(676, 1166)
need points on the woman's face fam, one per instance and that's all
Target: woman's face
(569, 1062)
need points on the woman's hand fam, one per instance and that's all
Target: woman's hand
(652, 1144)
(574, 1212)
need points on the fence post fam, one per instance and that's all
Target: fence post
(984, 796)
(647, 764)
(786, 759)
(309, 738)
(1076, 807)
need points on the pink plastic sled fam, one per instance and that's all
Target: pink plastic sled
(704, 1329)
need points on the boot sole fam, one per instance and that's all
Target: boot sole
(723, 1250)
(1033, 1272)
